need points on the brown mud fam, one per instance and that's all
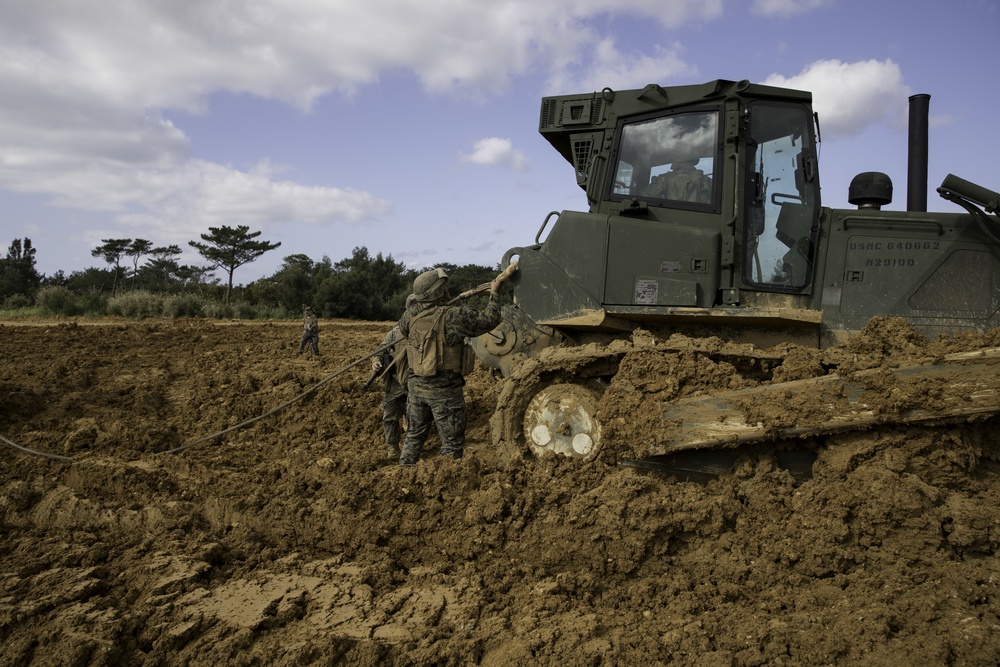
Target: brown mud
(295, 542)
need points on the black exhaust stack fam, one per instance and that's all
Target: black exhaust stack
(916, 165)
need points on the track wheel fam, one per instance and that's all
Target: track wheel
(562, 419)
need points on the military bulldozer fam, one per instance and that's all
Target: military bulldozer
(705, 221)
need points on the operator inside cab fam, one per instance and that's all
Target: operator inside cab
(684, 182)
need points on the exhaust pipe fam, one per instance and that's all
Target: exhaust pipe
(916, 163)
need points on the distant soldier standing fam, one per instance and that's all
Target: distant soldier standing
(310, 332)
(438, 358)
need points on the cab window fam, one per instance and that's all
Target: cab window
(669, 160)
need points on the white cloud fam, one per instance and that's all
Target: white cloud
(496, 151)
(89, 87)
(177, 203)
(607, 66)
(849, 97)
(160, 55)
(786, 7)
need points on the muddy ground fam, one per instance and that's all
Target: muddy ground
(293, 541)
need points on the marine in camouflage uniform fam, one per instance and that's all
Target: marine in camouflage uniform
(310, 332)
(439, 398)
(684, 182)
(394, 400)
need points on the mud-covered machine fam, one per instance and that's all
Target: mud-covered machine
(705, 219)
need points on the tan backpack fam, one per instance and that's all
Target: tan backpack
(426, 352)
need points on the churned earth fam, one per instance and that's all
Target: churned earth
(294, 541)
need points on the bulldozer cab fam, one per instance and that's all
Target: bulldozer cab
(699, 196)
(675, 160)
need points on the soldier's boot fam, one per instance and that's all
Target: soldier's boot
(410, 455)
(393, 450)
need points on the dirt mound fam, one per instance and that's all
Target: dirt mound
(294, 542)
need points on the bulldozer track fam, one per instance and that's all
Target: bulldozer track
(949, 389)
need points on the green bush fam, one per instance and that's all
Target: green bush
(141, 304)
(95, 305)
(184, 305)
(218, 311)
(138, 304)
(58, 300)
(276, 313)
(15, 301)
(246, 311)
(260, 311)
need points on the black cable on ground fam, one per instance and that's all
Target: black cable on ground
(270, 412)
(34, 452)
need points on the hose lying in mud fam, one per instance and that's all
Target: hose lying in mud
(270, 412)
(284, 405)
(35, 452)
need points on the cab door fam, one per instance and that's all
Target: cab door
(667, 165)
(781, 220)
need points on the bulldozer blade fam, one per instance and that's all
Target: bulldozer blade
(955, 388)
(703, 465)
(689, 466)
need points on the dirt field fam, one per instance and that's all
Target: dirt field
(295, 542)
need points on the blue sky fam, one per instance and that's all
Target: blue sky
(411, 128)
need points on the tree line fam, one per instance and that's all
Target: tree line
(144, 280)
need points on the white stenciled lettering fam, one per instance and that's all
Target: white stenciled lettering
(890, 262)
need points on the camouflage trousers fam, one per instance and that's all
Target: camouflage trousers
(393, 409)
(447, 413)
(312, 340)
